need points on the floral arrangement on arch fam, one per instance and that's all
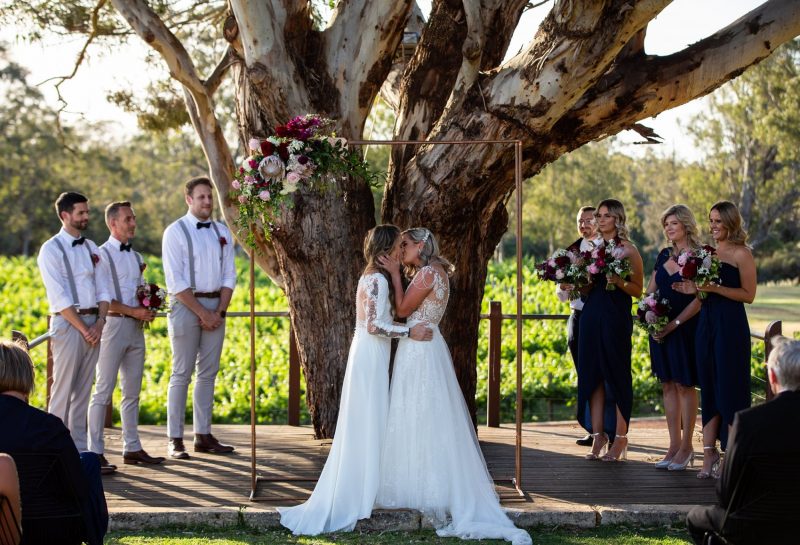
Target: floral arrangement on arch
(305, 152)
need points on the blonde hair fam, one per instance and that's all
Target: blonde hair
(616, 209)
(429, 253)
(684, 215)
(732, 220)
(379, 242)
(16, 368)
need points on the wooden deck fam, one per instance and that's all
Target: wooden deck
(555, 474)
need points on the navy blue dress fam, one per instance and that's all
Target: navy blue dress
(723, 355)
(604, 353)
(673, 359)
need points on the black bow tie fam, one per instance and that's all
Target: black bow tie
(124, 247)
(201, 224)
(78, 241)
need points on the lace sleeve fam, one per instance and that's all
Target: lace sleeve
(378, 310)
(425, 278)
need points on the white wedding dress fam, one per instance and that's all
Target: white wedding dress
(346, 489)
(431, 457)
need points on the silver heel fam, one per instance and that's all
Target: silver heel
(714, 466)
(603, 447)
(622, 455)
(675, 466)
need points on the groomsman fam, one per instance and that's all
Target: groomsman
(587, 227)
(200, 273)
(78, 296)
(122, 349)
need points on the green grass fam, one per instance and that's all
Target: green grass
(618, 535)
(776, 302)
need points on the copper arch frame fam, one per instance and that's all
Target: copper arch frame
(517, 479)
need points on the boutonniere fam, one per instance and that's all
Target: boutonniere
(142, 267)
(223, 241)
(95, 259)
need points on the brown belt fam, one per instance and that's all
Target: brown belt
(85, 311)
(118, 315)
(206, 295)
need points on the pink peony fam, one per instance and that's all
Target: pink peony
(559, 274)
(264, 195)
(682, 259)
(254, 144)
(249, 180)
(293, 177)
(242, 199)
(146, 302)
(236, 185)
(594, 269)
(650, 317)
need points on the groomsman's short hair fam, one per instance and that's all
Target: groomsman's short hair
(112, 210)
(67, 201)
(785, 362)
(194, 182)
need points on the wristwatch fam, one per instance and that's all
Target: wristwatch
(223, 313)
(677, 322)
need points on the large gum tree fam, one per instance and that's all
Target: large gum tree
(583, 75)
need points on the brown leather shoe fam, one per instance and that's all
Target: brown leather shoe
(105, 467)
(208, 443)
(141, 457)
(176, 449)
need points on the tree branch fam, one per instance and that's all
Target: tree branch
(229, 58)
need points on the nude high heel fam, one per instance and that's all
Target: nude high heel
(622, 455)
(676, 466)
(714, 466)
(603, 446)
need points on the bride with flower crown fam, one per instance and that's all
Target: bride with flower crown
(431, 457)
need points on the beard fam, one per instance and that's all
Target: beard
(80, 225)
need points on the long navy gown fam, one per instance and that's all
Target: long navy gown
(723, 355)
(604, 353)
(673, 359)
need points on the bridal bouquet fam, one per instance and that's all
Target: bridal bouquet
(151, 297)
(700, 266)
(653, 313)
(607, 259)
(565, 266)
(305, 152)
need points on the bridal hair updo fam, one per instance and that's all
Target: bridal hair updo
(684, 215)
(732, 220)
(429, 253)
(616, 209)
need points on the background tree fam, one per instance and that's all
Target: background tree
(583, 76)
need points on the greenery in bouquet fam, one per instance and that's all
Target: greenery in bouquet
(607, 259)
(700, 265)
(565, 267)
(305, 152)
(652, 314)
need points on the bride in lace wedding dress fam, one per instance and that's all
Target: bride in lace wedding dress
(346, 489)
(431, 457)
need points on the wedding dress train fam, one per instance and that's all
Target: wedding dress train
(431, 457)
(346, 489)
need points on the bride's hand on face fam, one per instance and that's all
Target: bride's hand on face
(389, 264)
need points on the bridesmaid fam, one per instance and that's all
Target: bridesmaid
(723, 334)
(604, 347)
(672, 350)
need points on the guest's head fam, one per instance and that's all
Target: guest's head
(419, 248)
(380, 241)
(121, 220)
(680, 226)
(784, 365)
(725, 222)
(610, 215)
(587, 226)
(16, 369)
(199, 197)
(73, 210)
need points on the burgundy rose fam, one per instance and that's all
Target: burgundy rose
(142, 267)
(95, 259)
(562, 261)
(267, 148)
(689, 270)
(302, 159)
(241, 170)
(283, 151)
(223, 241)
(661, 309)
(601, 263)
(282, 131)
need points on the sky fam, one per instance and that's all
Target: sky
(682, 23)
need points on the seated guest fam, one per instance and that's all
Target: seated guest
(27, 430)
(764, 430)
(10, 530)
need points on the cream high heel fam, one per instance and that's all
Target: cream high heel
(622, 455)
(603, 446)
(681, 466)
(664, 464)
(714, 466)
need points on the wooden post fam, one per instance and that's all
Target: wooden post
(294, 380)
(773, 329)
(493, 395)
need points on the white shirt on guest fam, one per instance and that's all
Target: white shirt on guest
(128, 272)
(206, 247)
(563, 295)
(91, 283)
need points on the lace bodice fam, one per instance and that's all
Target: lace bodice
(373, 310)
(433, 306)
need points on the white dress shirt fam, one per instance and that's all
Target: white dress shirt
(563, 295)
(127, 268)
(209, 274)
(91, 282)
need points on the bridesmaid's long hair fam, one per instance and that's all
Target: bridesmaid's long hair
(429, 253)
(686, 217)
(379, 242)
(616, 209)
(732, 220)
